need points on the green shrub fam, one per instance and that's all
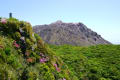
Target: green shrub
(17, 35)
(7, 51)
(99, 62)
(16, 65)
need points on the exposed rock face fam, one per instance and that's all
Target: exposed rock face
(60, 33)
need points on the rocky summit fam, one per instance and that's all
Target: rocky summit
(60, 33)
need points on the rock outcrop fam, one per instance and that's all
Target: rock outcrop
(60, 33)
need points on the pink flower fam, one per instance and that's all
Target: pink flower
(55, 65)
(3, 21)
(64, 79)
(16, 45)
(42, 60)
(58, 69)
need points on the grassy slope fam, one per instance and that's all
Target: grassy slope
(23, 63)
(101, 62)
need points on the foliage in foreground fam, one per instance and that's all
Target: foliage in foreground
(100, 62)
(24, 56)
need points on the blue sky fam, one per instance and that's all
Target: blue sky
(102, 16)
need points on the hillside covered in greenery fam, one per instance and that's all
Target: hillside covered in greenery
(24, 56)
(100, 62)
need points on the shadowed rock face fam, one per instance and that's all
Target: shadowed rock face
(60, 33)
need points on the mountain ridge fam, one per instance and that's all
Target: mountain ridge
(60, 33)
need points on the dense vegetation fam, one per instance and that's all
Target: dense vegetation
(100, 62)
(24, 56)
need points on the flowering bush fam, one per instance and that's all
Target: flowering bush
(25, 61)
(3, 21)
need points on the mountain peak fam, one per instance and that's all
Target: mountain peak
(60, 33)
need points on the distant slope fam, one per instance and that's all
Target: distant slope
(68, 33)
(101, 62)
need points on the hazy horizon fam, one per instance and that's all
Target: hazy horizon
(102, 16)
